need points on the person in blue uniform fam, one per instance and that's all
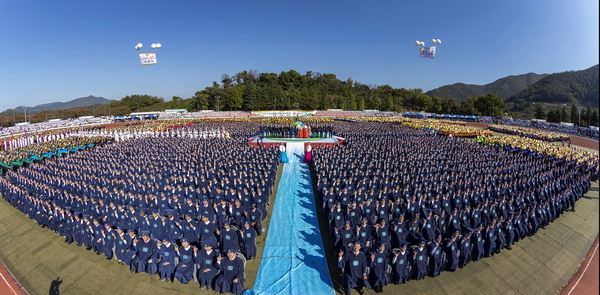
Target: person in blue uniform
(490, 240)
(256, 217)
(145, 254)
(119, 244)
(466, 248)
(157, 230)
(420, 261)
(379, 268)
(453, 252)
(401, 265)
(185, 268)
(345, 236)
(166, 257)
(229, 238)
(231, 278)
(353, 266)
(206, 229)
(188, 228)
(478, 243)
(206, 262)
(97, 234)
(248, 235)
(436, 257)
(108, 237)
(171, 226)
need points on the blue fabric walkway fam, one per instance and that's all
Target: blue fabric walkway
(293, 259)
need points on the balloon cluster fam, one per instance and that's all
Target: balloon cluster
(433, 41)
(153, 45)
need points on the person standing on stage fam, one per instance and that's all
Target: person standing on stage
(283, 158)
(308, 153)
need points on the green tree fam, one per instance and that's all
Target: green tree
(540, 111)
(488, 105)
(564, 116)
(199, 101)
(594, 118)
(137, 101)
(574, 114)
(554, 116)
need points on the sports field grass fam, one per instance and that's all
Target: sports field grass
(37, 257)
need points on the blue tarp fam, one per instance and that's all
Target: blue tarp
(294, 261)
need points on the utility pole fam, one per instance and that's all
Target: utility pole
(579, 111)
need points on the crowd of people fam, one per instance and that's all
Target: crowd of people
(179, 208)
(530, 133)
(365, 113)
(540, 147)
(8, 156)
(317, 130)
(404, 204)
(446, 127)
(556, 127)
(52, 124)
(405, 198)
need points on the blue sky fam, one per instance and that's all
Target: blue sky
(60, 50)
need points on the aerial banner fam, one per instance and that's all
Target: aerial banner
(427, 52)
(148, 58)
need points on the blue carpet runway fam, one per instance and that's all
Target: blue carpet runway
(293, 259)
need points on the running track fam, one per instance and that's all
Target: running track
(585, 280)
(8, 285)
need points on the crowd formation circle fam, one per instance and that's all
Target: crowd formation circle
(401, 203)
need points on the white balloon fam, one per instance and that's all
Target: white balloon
(158, 45)
(418, 42)
(139, 45)
(439, 41)
(153, 45)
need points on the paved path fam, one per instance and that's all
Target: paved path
(293, 260)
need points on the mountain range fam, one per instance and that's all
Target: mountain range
(571, 87)
(53, 106)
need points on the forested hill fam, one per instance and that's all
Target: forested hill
(52, 106)
(503, 87)
(573, 87)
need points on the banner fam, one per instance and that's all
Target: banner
(148, 58)
(427, 52)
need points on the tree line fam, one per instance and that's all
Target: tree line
(251, 91)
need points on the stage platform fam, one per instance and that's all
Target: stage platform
(315, 142)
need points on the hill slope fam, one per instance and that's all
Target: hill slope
(75, 103)
(578, 87)
(503, 87)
